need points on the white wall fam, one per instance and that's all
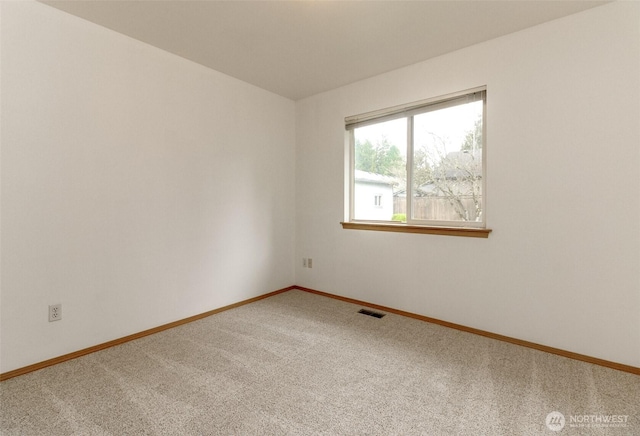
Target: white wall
(562, 266)
(138, 188)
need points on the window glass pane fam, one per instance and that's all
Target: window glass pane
(380, 175)
(447, 164)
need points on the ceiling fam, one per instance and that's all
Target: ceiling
(300, 48)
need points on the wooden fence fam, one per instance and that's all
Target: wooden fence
(434, 208)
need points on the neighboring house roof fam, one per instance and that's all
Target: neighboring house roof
(365, 177)
(457, 164)
(454, 167)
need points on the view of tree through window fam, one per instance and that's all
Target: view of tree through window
(380, 156)
(441, 145)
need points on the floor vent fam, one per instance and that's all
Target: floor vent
(371, 313)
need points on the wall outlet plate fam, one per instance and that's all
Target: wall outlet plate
(55, 312)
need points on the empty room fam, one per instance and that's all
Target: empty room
(319, 217)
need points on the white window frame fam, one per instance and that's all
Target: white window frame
(409, 111)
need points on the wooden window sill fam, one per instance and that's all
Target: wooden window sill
(470, 232)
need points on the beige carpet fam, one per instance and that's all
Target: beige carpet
(298, 364)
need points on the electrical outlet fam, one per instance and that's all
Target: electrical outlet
(304, 262)
(310, 263)
(55, 312)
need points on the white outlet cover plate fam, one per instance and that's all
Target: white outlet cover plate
(55, 312)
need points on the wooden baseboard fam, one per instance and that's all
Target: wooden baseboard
(93, 349)
(84, 352)
(545, 348)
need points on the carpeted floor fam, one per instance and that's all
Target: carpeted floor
(299, 364)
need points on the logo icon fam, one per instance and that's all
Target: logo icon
(555, 421)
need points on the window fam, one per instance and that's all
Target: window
(377, 200)
(426, 158)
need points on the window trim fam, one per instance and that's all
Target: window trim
(466, 228)
(384, 226)
(404, 110)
